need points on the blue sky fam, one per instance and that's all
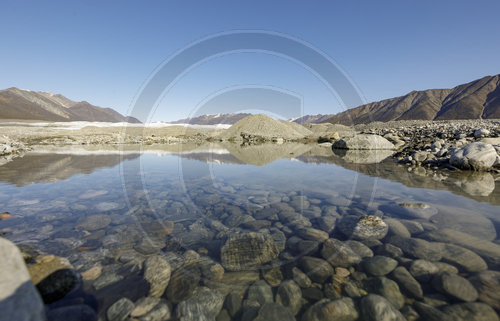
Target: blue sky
(104, 51)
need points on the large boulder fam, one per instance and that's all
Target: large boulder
(19, 300)
(363, 141)
(248, 251)
(474, 156)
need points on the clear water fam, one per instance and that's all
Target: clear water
(50, 194)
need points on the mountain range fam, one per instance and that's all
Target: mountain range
(212, 119)
(30, 105)
(479, 99)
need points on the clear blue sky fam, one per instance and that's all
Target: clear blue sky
(103, 51)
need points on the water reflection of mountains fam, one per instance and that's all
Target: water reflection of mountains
(59, 165)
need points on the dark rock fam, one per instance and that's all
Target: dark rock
(471, 312)
(455, 286)
(316, 269)
(419, 248)
(93, 222)
(58, 284)
(337, 253)
(379, 265)
(423, 270)
(120, 310)
(289, 295)
(183, 282)
(326, 310)
(159, 312)
(388, 289)
(407, 282)
(301, 278)
(487, 283)
(157, 273)
(464, 259)
(359, 248)
(312, 294)
(204, 304)
(377, 308)
(233, 304)
(273, 311)
(80, 312)
(248, 251)
(430, 313)
(260, 292)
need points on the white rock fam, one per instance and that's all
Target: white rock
(363, 141)
(19, 299)
(474, 156)
(481, 133)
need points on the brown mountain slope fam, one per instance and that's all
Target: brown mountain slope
(474, 100)
(29, 105)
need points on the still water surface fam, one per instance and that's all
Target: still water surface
(107, 211)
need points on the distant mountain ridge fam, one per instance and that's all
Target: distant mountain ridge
(30, 105)
(479, 99)
(212, 119)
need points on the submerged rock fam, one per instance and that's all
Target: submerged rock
(362, 228)
(248, 251)
(326, 310)
(379, 265)
(377, 308)
(157, 272)
(273, 311)
(204, 304)
(455, 286)
(317, 270)
(487, 283)
(289, 295)
(338, 253)
(120, 310)
(471, 312)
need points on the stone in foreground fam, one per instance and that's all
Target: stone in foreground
(19, 300)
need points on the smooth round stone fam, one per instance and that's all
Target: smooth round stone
(377, 308)
(379, 265)
(120, 310)
(455, 286)
(327, 310)
(301, 278)
(316, 269)
(407, 282)
(204, 304)
(359, 248)
(464, 259)
(93, 222)
(338, 253)
(260, 292)
(233, 304)
(487, 283)
(397, 228)
(157, 272)
(144, 305)
(183, 282)
(388, 289)
(471, 312)
(419, 248)
(289, 295)
(248, 251)
(423, 270)
(273, 311)
(312, 234)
